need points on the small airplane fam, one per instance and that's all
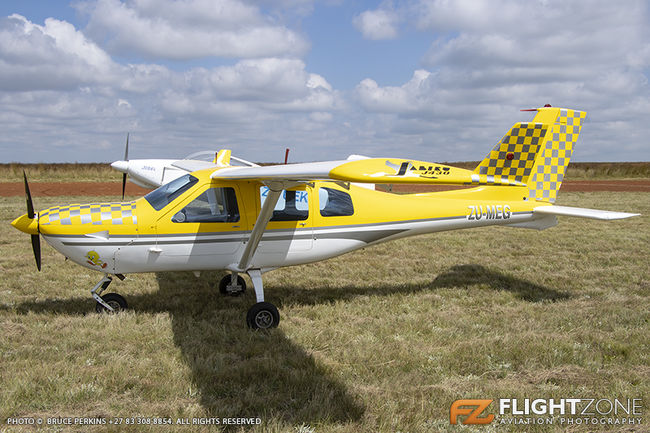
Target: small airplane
(152, 173)
(251, 219)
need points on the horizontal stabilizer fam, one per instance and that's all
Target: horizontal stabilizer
(583, 213)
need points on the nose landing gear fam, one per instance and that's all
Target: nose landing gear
(110, 302)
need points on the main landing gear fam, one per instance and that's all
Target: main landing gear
(262, 315)
(110, 302)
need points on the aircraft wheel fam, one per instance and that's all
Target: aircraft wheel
(225, 281)
(263, 315)
(117, 302)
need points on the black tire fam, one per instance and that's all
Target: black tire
(223, 284)
(117, 302)
(263, 315)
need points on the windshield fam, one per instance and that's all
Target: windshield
(161, 197)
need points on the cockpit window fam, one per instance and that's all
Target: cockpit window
(161, 197)
(215, 205)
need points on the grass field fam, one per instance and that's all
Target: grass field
(380, 340)
(102, 172)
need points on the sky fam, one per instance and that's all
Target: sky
(433, 80)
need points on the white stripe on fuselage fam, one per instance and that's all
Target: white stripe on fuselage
(152, 253)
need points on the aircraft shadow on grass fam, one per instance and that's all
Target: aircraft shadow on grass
(244, 373)
(460, 277)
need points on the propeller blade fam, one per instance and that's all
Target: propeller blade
(36, 247)
(126, 158)
(28, 198)
(36, 240)
(123, 185)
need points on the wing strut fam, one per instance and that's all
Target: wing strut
(275, 189)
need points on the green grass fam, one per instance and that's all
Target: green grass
(382, 339)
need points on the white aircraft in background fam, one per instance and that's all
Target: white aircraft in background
(153, 173)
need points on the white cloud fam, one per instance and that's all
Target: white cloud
(377, 24)
(53, 56)
(189, 29)
(271, 85)
(61, 88)
(408, 98)
(58, 89)
(491, 58)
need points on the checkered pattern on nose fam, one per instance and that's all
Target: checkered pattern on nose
(94, 213)
(552, 162)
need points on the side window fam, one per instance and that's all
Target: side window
(333, 202)
(291, 206)
(214, 205)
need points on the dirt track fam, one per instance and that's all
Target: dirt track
(49, 189)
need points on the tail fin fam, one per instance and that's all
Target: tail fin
(553, 160)
(512, 160)
(534, 154)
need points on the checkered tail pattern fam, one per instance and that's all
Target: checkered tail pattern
(511, 161)
(552, 161)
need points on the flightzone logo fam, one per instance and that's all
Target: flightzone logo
(472, 409)
(541, 411)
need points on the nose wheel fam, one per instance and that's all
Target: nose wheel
(110, 302)
(115, 301)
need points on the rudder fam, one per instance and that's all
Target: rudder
(552, 161)
(533, 154)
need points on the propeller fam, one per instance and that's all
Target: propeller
(126, 158)
(36, 240)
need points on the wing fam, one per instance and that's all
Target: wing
(370, 170)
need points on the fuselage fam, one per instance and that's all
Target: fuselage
(205, 224)
(148, 173)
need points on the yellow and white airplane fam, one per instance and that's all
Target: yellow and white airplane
(251, 219)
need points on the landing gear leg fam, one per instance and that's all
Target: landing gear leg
(262, 315)
(110, 302)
